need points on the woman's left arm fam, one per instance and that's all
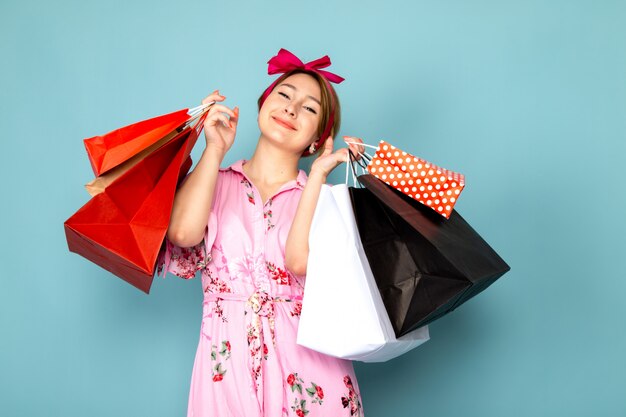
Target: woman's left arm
(297, 245)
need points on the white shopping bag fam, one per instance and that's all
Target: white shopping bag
(343, 314)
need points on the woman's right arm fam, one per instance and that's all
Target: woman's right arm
(194, 198)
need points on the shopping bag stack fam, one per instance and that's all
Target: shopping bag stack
(343, 314)
(389, 247)
(425, 266)
(137, 168)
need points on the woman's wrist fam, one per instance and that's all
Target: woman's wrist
(317, 175)
(214, 153)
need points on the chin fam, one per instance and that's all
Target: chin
(274, 134)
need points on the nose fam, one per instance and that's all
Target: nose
(289, 109)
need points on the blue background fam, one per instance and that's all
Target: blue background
(526, 98)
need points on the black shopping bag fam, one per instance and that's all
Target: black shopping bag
(425, 266)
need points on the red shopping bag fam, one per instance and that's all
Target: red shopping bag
(114, 153)
(122, 228)
(436, 187)
(110, 150)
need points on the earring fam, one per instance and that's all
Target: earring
(312, 148)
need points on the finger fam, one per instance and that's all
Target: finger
(357, 151)
(221, 108)
(328, 146)
(355, 145)
(216, 118)
(343, 155)
(214, 96)
(352, 147)
(355, 142)
(234, 120)
(352, 139)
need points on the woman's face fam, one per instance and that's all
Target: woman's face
(290, 114)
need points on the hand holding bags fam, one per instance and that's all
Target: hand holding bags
(123, 226)
(343, 314)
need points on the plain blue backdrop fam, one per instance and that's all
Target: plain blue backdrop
(526, 98)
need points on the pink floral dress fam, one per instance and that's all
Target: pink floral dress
(247, 362)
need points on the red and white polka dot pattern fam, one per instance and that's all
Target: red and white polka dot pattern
(436, 187)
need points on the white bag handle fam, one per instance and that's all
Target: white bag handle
(351, 161)
(200, 110)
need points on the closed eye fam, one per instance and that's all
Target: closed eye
(283, 94)
(310, 109)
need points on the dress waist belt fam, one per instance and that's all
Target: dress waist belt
(260, 302)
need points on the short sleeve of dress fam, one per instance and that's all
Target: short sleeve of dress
(185, 262)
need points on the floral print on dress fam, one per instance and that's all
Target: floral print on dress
(185, 261)
(314, 391)
(297, 309)
(265, 351)
(224, 354)
(251, 267)
(295, 382)
(279, 275)
(215, 284)
(299, 407)
(352, 398)
(267, 215)
(220, 263)
(249, 190)
(219, 310)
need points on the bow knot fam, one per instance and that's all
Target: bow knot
(262, 304)
(285, 61)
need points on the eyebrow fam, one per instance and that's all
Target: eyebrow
(311, 97)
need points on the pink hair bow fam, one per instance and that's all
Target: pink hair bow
(285, 61)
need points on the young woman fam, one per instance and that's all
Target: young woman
(246, 229)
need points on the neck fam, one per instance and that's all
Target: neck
(270, 165)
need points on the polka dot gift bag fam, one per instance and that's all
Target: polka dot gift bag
(431, 185)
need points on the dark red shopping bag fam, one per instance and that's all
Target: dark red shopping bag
(122, 228)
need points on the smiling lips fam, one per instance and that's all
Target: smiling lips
(284, 123)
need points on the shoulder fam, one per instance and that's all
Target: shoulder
(231, 178)
(233, 169)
